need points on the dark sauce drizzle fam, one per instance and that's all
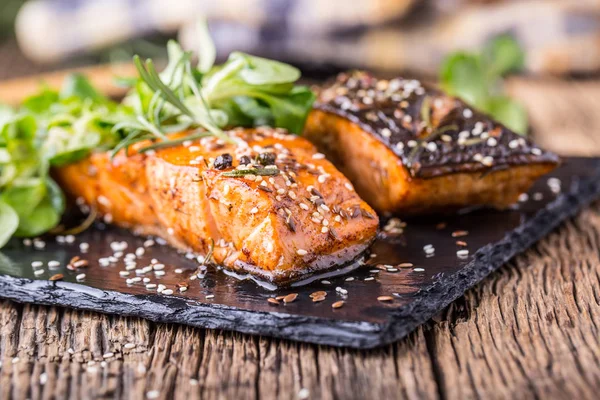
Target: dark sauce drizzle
(433, 134)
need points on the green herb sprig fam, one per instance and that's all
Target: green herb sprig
(54, 128)
(477, 79)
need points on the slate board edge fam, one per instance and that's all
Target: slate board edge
(435, 297)
(355, 334)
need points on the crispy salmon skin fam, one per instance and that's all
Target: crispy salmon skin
(269, 205)
(411, 149)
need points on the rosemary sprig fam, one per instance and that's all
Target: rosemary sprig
(151, 78)
(173, 142)
(253, 171)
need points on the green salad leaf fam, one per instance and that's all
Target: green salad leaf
(9, 222)
(477, 79)
(57, 127)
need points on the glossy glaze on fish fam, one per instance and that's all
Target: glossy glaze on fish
(292, 213)
(409, 148)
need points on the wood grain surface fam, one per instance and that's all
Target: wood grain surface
(531, 330)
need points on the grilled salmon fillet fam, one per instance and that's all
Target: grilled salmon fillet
(269, 205)
(411, 149)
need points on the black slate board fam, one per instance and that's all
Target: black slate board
(363, 322)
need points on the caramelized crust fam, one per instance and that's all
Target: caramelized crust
(305, 219)
(412, 149)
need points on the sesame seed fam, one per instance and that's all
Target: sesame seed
(152, 394)
(488, 161)
(80, 277)
(167, 291)
(159, 273)
(467, 113)
(38, 272)
(150, 286)
(325, 282)
(462, 253)
(123, 273)
(318, 156)
(37, 264)
(523, 197)
(254, 210)
(513, 144)
(536, 151)
(370, 278)
(84, 246)
(386, 132)
(492, 142)
(337, 304)
(431, 146)
(210, 296)
(303, 206)
(129, 345)
(419, 269)
(290, 298)
(349, 186)
(301, 252)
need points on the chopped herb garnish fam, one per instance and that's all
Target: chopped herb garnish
(257, 171)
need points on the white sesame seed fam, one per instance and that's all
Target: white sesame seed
(123, 273)
(38, 272)
(158, 267)
(182, 289)
(84, 246)
(325, 282)
(349, 186)
(129, 345)
(419, 269)
(80, 277)
(324, 229)
(152, 394)
(431, 146)
(140, 251)
(210, 296)
(303, 394)
(178, 271)
(301, 252)
(254, 210)
(37, 264)
(467, 113)
(536, 151)
(167, 291)
(462, 253)
(513, 144)
(412, 143)
(318, 156)
(159, 273)
(523, 197)
(303, 206)
(151, 286)
(149, 243)
(386, 132)
(43, 378)
(488, 161)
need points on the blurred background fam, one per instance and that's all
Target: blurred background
(559, 37)
(559, 40)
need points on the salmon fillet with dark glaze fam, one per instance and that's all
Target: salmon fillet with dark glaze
(411, 149)
(281, 228)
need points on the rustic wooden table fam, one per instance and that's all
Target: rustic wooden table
(531, 330)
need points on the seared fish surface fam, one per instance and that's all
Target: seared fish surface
(269, 205)
(412, 149)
